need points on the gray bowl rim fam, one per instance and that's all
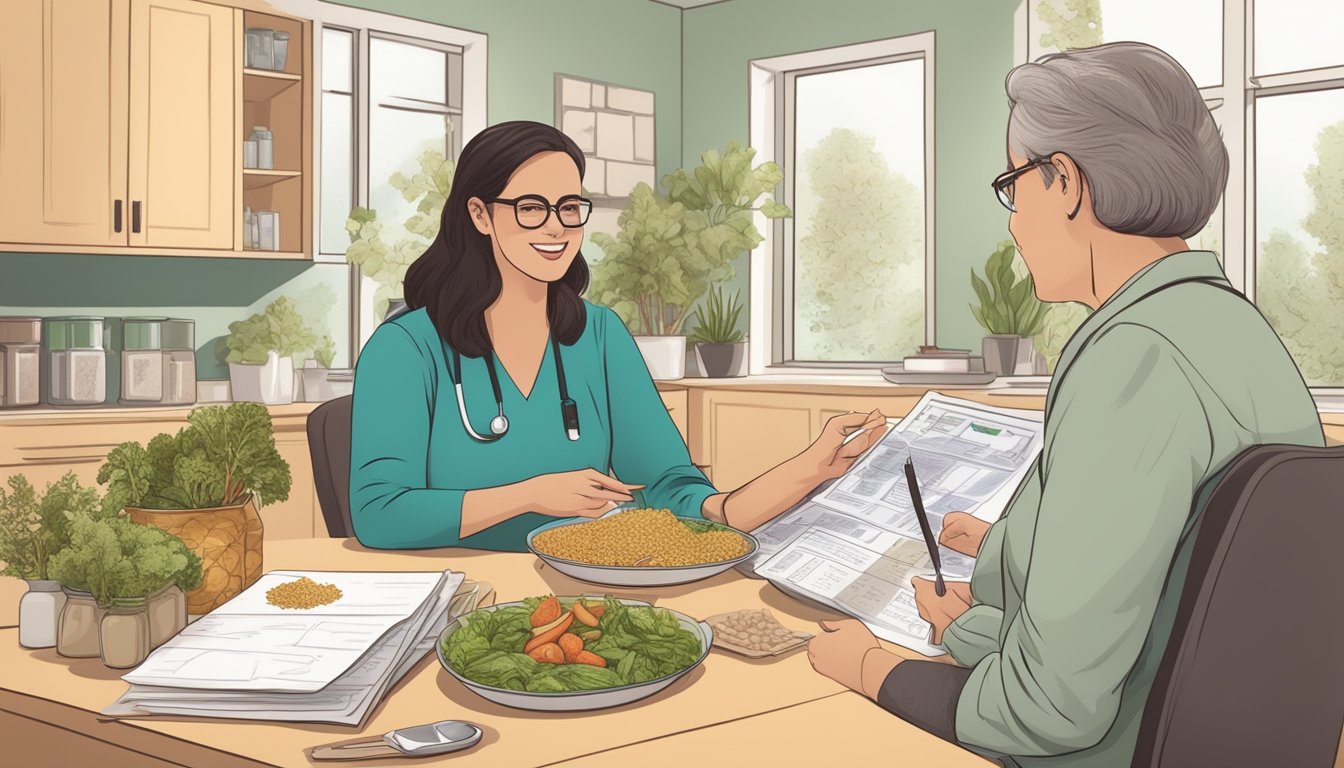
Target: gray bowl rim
(456, 624)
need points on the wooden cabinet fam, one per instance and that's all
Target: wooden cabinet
(43, 446)
(122, 125)
(63, 121)
(184, 55)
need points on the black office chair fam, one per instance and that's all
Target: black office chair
(1253, 675)
(329, 446)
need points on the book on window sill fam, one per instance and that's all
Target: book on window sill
(936, 360)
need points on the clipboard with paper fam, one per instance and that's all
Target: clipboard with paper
(854, 544)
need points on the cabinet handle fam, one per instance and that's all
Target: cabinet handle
(116, 216)
(135, 216)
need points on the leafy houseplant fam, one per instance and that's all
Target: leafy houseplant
(33, 530)
(261, 353)
(1010, 312)
(204, 485)
(387, 264)
(672, 247)
(716, 336)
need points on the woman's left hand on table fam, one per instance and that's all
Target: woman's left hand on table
(838, 650)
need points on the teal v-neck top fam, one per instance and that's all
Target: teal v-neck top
(412, 461)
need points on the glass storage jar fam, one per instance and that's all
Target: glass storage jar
(20, 361)
(124, 633)
(76, 360)
(77, 631)
(158, 361)
(39, 613)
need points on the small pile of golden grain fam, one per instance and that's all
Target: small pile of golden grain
(644, 537)
(302, 593)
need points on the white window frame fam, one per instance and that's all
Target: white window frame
(1239, 86)
(366, 25)
(770, 109)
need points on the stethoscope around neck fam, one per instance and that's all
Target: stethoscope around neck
(499, 425)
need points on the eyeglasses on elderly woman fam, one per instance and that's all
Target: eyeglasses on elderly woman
(1006, 181)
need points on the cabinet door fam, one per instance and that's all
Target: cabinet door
(182, 107)
(63, 80)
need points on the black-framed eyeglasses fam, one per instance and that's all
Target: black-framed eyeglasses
(1006, 181)
(533, 211)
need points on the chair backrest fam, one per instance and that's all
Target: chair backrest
(329, 446)
(1253, 674)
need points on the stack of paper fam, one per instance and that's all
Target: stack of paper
(330, 664)
(855, 544)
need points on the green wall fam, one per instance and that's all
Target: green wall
(973, 51)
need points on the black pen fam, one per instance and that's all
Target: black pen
(913, 484)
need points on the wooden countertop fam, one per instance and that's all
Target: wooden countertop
(751, 699)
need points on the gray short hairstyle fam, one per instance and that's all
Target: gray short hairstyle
(1136, 125)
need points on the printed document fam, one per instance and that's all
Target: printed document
(855, 544)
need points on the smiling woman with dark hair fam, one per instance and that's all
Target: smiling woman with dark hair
(502, 399)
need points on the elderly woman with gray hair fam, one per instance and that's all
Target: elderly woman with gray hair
(1113, 161)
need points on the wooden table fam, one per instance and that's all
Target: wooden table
(49, 705)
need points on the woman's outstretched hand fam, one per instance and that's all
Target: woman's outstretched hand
(831, 455)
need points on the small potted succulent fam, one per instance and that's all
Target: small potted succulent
(261, 353)
(34, 528)
(718, 342)
(205, 485)
(1011, 313)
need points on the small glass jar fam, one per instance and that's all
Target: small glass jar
(124, 633)
(76, 360)
(280, 48)
(158, 361)
(39, 613)
(265, 146)
(20, 361)
(260, 48)
(77, 631)
(167, 615)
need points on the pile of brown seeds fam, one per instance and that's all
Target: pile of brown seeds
(302, 593)
(754, 632)
(639, 537)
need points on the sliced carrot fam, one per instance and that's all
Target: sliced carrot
(597, 610)
(571, 644)
(552, 635)
(548, 653)
(584, 616)
(548, 611)
(590, 658)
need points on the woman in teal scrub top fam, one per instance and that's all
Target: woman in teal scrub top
(501, 399)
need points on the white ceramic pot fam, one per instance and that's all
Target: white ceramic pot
(665, 356)
(39, 613)
(271, 383)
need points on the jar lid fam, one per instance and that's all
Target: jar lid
(128, 602)
(74, 333)
(158, 333)
(20, 330)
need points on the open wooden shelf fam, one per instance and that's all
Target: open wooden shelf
(264, 85)
(264, 177)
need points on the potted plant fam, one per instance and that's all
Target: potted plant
(671, 247)
(205, 485)
(387, 263)
(718, 342)
(321, 382)
(33, 530)
(261, 350)
(1010, 312)
(134, 576)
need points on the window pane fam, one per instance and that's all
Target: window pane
(337, 47)
(1211, 237)
(1299, 167)
(407, 71)
(858, 250)
(1191, 31)
(337, 158)
(398, 143)
(1292, 35)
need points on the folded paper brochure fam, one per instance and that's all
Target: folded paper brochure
(331, 664)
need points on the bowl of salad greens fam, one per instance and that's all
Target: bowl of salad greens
(564, 654)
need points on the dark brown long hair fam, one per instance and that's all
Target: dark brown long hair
(456, 279)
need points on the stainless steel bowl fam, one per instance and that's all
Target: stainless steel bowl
(573, 701)
(639, 575)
